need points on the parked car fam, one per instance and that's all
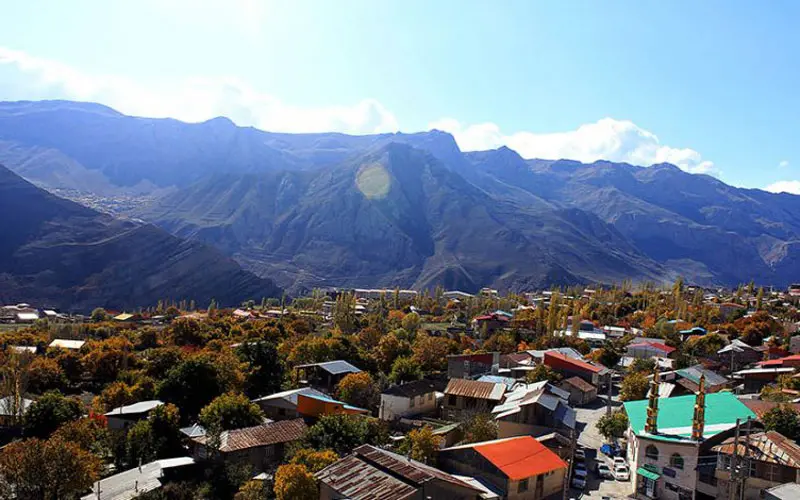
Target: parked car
(580, 453)
(622, 473)
(578, 483)
(579, 467)
(610, 450)
(604, 471)
(620, 461)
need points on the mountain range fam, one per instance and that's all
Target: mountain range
(57, 253)
(330, 209)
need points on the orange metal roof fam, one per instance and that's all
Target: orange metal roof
(520, 457)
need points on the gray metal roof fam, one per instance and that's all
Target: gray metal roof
(693, 373)
(135, 408)
(132, 483)
(334, 367)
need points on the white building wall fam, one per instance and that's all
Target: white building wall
(394, 407)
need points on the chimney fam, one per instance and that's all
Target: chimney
(699, 419)
(651, 425)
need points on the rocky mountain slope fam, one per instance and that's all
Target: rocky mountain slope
(54, 252)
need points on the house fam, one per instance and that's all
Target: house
(372, 473)
(315, 406)
(457, 295)
(647, 350)
(408, 400)
(463, 397)
(669, 441)
(70, 345)
(283, 405)
(737, 355)
(516, 359)
(534, 409)
(538, 356)
(472, 365)
(518, 467)
(792, 361)
(693, 331)
(12, 410)
(788, 491)
(773, 460)
(595, 374)
(260, 447)
(728, 309)
(687, 380)
(125, 416)
(126, 317)
(754, 379)
(140, 480)
(324, 376)
(580, 391)
(488, 324)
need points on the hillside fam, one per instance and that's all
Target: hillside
(285, 205)
(60, 254)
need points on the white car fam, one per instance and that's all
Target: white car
(622, 473)
(578, 483)
(604, 471)
(620, 461)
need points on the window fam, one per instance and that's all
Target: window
(676, 461)
(451, 399)
(651, 452)
(522, 486)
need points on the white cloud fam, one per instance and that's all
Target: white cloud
(791, 187)
(197, 99)
(783, 163)
(606, 139)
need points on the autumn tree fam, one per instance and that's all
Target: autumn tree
(50, 412)
(541, 373)
(52, 469)
(634, 386)
(90, 433)
(421, 445)
(252, 490)
(431, 352)
(411, 322)
(231, 411)
(45, 374)
(295, 482)
(314, 460)
(389, 349)
(405, 369)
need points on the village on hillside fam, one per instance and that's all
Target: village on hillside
(676, 393)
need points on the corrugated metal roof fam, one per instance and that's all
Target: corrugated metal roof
(580, 384)
(135, 408)
(693, 373)
(408, 469)
(520, 457)
(769, 446)
(358, 480)
(760, 407)
(474, 389)
(333, 367)
(283, 431)
(412, 389)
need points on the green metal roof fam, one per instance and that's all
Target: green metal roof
(641, 471)
(675, 416)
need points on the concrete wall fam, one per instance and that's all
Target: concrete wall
(685, 478)
(394, 407)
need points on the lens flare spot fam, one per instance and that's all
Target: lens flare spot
(373, 181)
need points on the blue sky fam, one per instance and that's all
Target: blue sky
(711, 86)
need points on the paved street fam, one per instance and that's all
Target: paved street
(591, 441)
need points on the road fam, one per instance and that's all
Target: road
(591, 440)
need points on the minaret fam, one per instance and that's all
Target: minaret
(651, 425)
(699, 420)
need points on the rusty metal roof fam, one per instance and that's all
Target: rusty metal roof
(580, 384)
(474, 389)
(371, 473)
(760, 407)
(772, 447)
(283, 431)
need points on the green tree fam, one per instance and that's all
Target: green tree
(49, 413)
(295, 482)
(140, 445)
(405, 369)
(342, 433)
(613, 426)
(264, 368)
(640, 365)
(191, 385)
(165, 423)
(480, 427)
(231, 411)
(783, 419)
(251, 490)
(410, 322)
(634, 387)
(99, 314)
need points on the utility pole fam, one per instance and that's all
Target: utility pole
(733, 479)
(608, 401)
(745, 469)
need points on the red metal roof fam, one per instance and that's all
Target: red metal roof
(658, 345)
(779, 361)
(574, 362)
(520, 457)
